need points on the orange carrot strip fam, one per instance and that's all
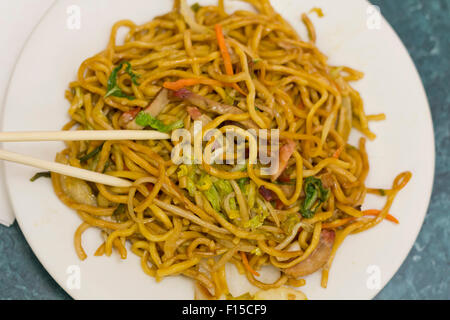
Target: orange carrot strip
(226, 56)
(182, 83)
(238, 89)
(223, 49)
(246, 265)
(375, 212)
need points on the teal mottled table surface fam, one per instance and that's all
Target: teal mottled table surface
(424, 27)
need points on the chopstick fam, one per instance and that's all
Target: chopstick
(64, 169)
(79, 135)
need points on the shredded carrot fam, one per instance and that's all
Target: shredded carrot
(338, 152)
(223, 49)
(247, 265)
(371, 212)
(182, 83)
(375, 212)
(226, 56)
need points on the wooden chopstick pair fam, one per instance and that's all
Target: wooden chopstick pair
(75, 136)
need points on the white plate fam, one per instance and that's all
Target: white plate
(405, 142)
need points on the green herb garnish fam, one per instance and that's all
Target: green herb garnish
(134, 76)
(382, 192)
(107, 164)
(40, 175)
(145, 120)
(91, 154)
(113, 89)
(316, 194)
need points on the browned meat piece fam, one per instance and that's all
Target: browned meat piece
(317, 259)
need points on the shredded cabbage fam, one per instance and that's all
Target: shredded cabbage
(182, 171)
(288, 224)
(224, 188)
(250, 193)
(146, 120)
(255, 222)
(189, 173)
(190, 186)
(257, 252)
(215, 190)
(213, 197)
(204, 183)
(261, 213)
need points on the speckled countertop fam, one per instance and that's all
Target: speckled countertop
(424, 27)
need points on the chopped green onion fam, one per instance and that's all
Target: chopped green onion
(146, 120)
(40, 175)
(113, 89)
(91, 154)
